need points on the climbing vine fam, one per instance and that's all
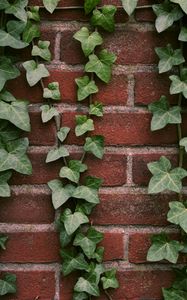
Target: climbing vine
(164, 175)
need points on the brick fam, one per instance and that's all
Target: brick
(132, 209)
(28, 247)
(27, 207)
(114, 245)
(33, 285)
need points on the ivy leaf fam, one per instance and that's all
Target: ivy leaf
(98, 255)
(183, 142)
(96, 109)
(183, 34)
(8, 132)
(8, 284)
(4, 4)
(129, 6)
(86, 193)
(80, 296)
(48, 113)
(11, 38)
(178, 214)
(65, 239)
(179, 84)
(55, 154)
(172, 294)
(42, 50)
(16, 112)
(89, 241)
(182, 3)
(33, 13)
(7, 71)
(17, 8)
(93, 182)
(7, 96)
(88, 40)
(50, 5)
(95, 271)
(72, 221)
(169, 58)
(165, 178)
(109, 280)
(85, 207)
(89, 5)
(166, 14)
(72, 262)
(52, 91)
(14, 157)
(95, 145)
(3, 240)
(72, 172)
(104, 18)
(163, 114)
(89, 287)
(34, 72)
(101, 65)
(84, 124)
(60, 193)
(163, 248)
(31, 31)
(180, 282)
(4, 187)
(86, 87)
(62, 133)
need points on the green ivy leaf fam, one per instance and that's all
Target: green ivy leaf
(169, 58)
(183, 142)
(65, 239)
(8, 284)
(129, 6)
(48, 113)
(101, 65)
(96, 109)
(109, 280)
(182, 3)
(60, 193)
(11, 38)
(104, 18)
(7, 96)
(84, 124)
(50, 5)
(4, 187)
(72, 221)
(98, 255)
(86, 193)
(62, 133)
(52, 91)
(88, 40)
(167, 14)
(72, 172)
(180, 282)
(72, 262)
(42, 50)
(3, 240)
(183, 34)
(17, 8)
(163, 248)
(86, 87)
(163, 114)
(179, 84)
(95, 145)
(31, 31)
(165, 178)
(85, 207)
(7, 71)
(172, 294)
(33, 13)
(80, 296)
(89, 287)
(93, 182)
(14, 157)
(89, 5)
(34, 72)
(178, 214)
(56, 154)
(8, 132)
(4, 4)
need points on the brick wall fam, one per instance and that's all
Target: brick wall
(127, 214)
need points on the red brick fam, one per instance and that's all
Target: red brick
(114, 245)
(33, 285)
(27, 207)
(27, 247)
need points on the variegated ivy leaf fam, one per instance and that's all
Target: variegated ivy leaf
(73, 170)
(42, 50)
(88, 40)
(60, 193)
(7, 71)
(89, 5)
(55, 154)
(84, 285)
(179, 84)
(178, 214)
(8, 284)
(182, 3)
(72, 261)
(50, 5)
(183, 34)
(14, 157)
(48, 113)
(104, 17)
(33, 13)
(3, 240)
(95, 145)
(31, 31)
(17, 8)
(11, 38)
(86, 87)
(52, 91)
(83, 125)
(183, 142)
(109, 279)
(164, 248)
(34, 72)
(72, 221)
(167, 13)
(101, 65)
(129, 6)
(62, 133)
(165, 178)
(96, 109)
(163, 114)
(169, 58)
(86, 193)
(172, 294)
(4, 187)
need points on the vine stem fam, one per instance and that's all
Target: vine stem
(120, 6)
(109, 297)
